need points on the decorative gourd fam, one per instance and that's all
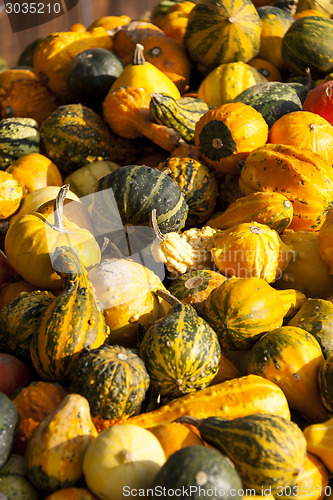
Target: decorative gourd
(180, 114)
(74, 493)
(313, 480)
(75, 135)
(300, 175)
(275, 23)
(19, 320)
(290, 357)
(174, 20)
(11, 194)
(278, 447)
(241, 310)
(127, 293)
(300, 50)
(36, 236)
(33, 200)
(229, 399)
(199, 469)
(198, 184)
(218, 33)
(113, 379)
(11, 288)
(34, 171)
(227, 134)
(226, 81)
(325, 240)
(28, 98)
(309, 12)
(120, 459)
(132, 192)
(319, 101)
(322, 5)
(57, 445)
(306, 130)
(73, 321)
(26, 56)
(83, 181)
(110, 22)
(316, 317)
(181, 352)
(319, 439)
(14, 481)
(271, 99)
(126, 110)
(306, 271)
(141, 73)
(250, 249)
(90, 75)
(325, 377)
(194, 286)
(173, 437)
(34, 402)
(270, 208)
(267, 69)
(19, 137)
(73, 211)
(53, 55)
(9, 420)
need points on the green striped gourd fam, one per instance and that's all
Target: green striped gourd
(180, 114)
(219, 31)
(73, 321)
(112, 378)
(268, 451)
(18, 137)
(181, 352)
(198, 185)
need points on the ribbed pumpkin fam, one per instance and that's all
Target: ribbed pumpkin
(73, 321)
(300, 175)
(226, 81)
(250, 249)
(242, 309)
(225, 135)
(113, 379)
(305, 130)
(75, 135)
(218, 32)
(19, 320)
(52, 56)
(275, 23)
(316, 317)
(124, 200)
(272, 209)
(198, 184)
(290, 357)
(268, 451)
(181, 352)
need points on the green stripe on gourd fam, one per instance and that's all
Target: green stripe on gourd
(18, 137)
(216, 140)
(180, 114)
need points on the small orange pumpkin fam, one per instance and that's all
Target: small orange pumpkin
(227, 134)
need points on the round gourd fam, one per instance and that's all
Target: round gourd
(14, 482)
(181, 352)
(300, 175)
(220, 32)
(112, 378)
(18, 137)
(226, 81)
(225, 135)
(319, 100)
(124, 200)
(91, 74)
(290, 357)
(271, 99)
(120, 459)
(307, 44)
(200, 470)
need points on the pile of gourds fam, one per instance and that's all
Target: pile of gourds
(166, 263)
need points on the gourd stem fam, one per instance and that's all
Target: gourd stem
(187, 419)
(138, 57)
(153, 223)
(59, 208)
(168, 297)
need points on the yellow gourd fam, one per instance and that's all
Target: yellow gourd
(319, 438)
